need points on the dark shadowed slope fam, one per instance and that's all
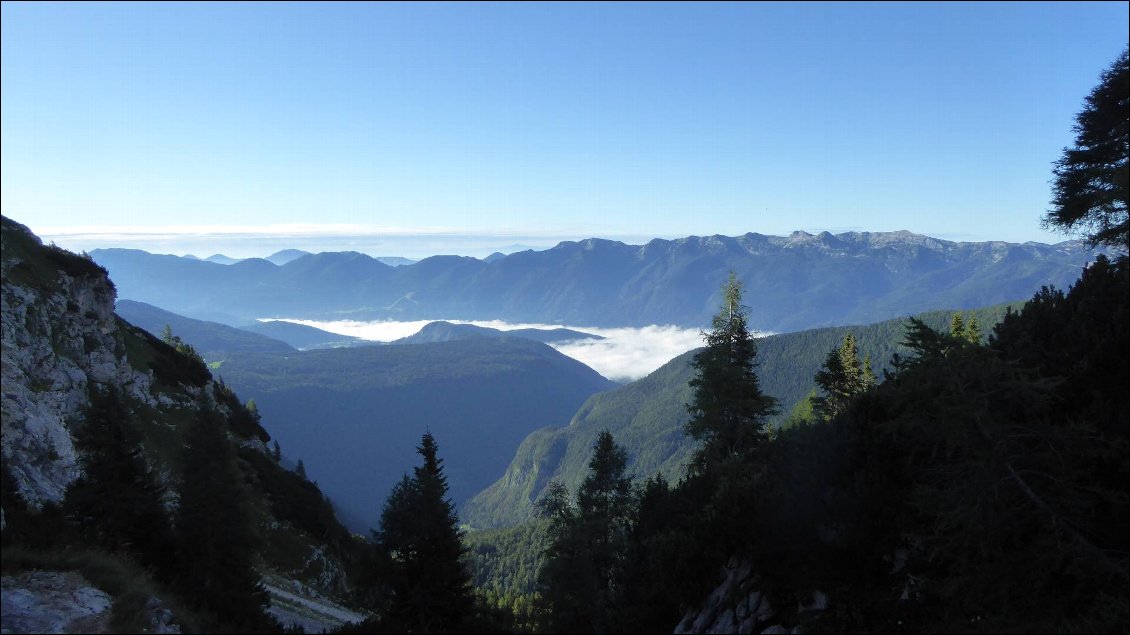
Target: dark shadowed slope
(355, 415)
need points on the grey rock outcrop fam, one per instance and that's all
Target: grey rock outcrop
(738, 606)
(65, 602)
(56, 341)
(52, 602)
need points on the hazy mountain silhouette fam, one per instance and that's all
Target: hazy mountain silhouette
(792, 283)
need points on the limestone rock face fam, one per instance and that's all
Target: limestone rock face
(57, 339)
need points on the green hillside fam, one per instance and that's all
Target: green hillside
(647, 416)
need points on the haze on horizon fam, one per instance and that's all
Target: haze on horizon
(418, 129)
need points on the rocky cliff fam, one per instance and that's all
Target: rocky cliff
(61, 337)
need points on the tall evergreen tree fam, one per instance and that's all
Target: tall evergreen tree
(966, 330)
(116, 503)
(957, 325)
(1092, 180)
(429, 586)
(728, 410)
(972, 330)
(842, 377)
(217, 541)
(581, 582)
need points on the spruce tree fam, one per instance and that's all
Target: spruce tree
(217, 543)
(957, 325)
(429, 586)
(116, 503)
(582, 580)
(843, 377)
(972, 330)
(728, 410)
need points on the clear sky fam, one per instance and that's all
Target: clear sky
(251, 127)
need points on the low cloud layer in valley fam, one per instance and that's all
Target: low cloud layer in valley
(625, 354)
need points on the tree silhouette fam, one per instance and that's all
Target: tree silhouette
(116, 503)
(728, 410)
(1091, 188)
(217, 543)
(429, 587)
(581, 582)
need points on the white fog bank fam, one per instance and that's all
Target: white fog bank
(626, 353)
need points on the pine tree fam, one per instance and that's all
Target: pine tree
(1092, 180)
(429, 586)
(728, 410)
(217, 542)
(116, 503)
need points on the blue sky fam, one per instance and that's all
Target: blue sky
(409, 129)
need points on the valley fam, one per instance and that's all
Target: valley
(552, 317)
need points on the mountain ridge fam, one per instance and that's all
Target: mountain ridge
(794, 282)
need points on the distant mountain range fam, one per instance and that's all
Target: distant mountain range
(286, 255)
(210, 339)
(792, 283)
(446, 331)
(218, 341)
(304, 337)
(214, 340)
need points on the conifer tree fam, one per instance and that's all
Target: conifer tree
(841, 378)
(217, 543)
(1092, 180)
(116, 503)
(728, 410)
(581, 582)
(957, 325)
(972, 332)
(429, 586)
(965, 330)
